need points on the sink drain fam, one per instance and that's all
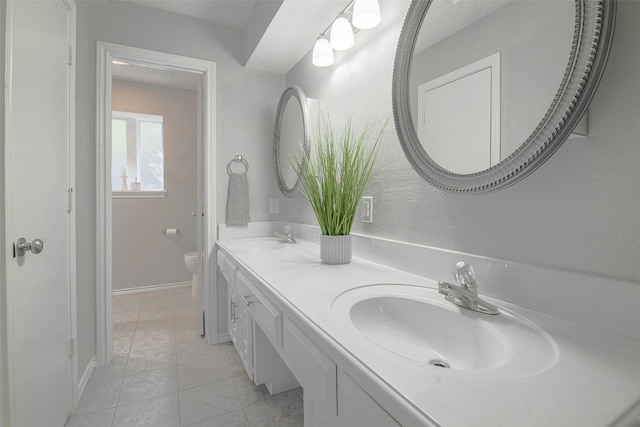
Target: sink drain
(439, 363)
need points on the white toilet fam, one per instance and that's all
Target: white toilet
(191, 262)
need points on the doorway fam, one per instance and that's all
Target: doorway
(150, 63)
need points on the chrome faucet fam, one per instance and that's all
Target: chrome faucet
(466, 294)
(286, 235)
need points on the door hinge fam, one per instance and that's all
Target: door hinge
(69, 203)
(70, 53)
(71, 344)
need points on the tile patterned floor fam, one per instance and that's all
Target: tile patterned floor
(164, 374)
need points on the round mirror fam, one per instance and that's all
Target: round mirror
(290, 136)
(485, 91)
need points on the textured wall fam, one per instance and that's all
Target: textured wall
(245, 107)
(142, 256)
(579, 211)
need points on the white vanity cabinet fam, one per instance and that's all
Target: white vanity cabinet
(282, 351)
(357, 408)
(317, 374)
(262, 334)
(307, 322)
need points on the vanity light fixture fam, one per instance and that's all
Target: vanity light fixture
(322, 52)
(342, 34)
(364, 14)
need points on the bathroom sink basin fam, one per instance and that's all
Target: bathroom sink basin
(255, 244)
(416, 323)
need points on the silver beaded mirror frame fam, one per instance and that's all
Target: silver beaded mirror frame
(593, 33)
(290, 135)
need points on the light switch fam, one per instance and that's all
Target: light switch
(367, 209)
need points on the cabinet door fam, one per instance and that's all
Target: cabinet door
(240, 328)
(244, 325)
(231, 318)
(357, 408)
(269, 368)
(316, 372)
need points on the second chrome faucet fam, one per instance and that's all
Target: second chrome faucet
(286, 234)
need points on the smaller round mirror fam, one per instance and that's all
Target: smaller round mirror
(290, 136)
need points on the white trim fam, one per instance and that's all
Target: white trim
(151, 288)
(106, 52)
(85, 377)
(71, 185)
(224, 337)
(124, 115)
(6, 373)
(142, 194)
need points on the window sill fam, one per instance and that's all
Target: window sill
(144, 194)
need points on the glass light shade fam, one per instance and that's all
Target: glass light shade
(341, 34)
(322, 53)
(366, 14)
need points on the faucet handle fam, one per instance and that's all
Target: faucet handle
(465, 275)
(443, 288)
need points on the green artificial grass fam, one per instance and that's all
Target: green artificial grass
(333, 177)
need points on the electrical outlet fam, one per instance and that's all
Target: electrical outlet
(367, 209)
(274, 206)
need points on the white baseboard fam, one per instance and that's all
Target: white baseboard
(85, 377)
(151, 288)
(222, 338)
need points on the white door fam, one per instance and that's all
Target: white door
(459, 117)
(37, 183)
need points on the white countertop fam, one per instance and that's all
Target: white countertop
(594, 381)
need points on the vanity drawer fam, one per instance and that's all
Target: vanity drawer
(315, 371)
(221, 257)
(263, 311)
(229, 270)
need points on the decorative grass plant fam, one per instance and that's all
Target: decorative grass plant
(333, 177)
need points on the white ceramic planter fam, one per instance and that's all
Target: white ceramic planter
(335, 249)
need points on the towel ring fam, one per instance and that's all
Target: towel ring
(237, 159)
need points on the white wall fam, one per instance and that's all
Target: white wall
(245, 105)
(579, 211)
(142, 255)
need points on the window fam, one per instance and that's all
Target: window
(137, 151)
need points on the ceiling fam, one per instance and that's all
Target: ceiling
(234, 13)
(277, 33)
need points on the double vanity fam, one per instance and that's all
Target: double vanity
(375, 345)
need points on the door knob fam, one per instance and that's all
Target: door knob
(23, 246)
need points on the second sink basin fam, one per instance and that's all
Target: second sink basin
(263, 244)
(416, 323)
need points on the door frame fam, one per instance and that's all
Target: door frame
(7, 376)
(106, 52)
